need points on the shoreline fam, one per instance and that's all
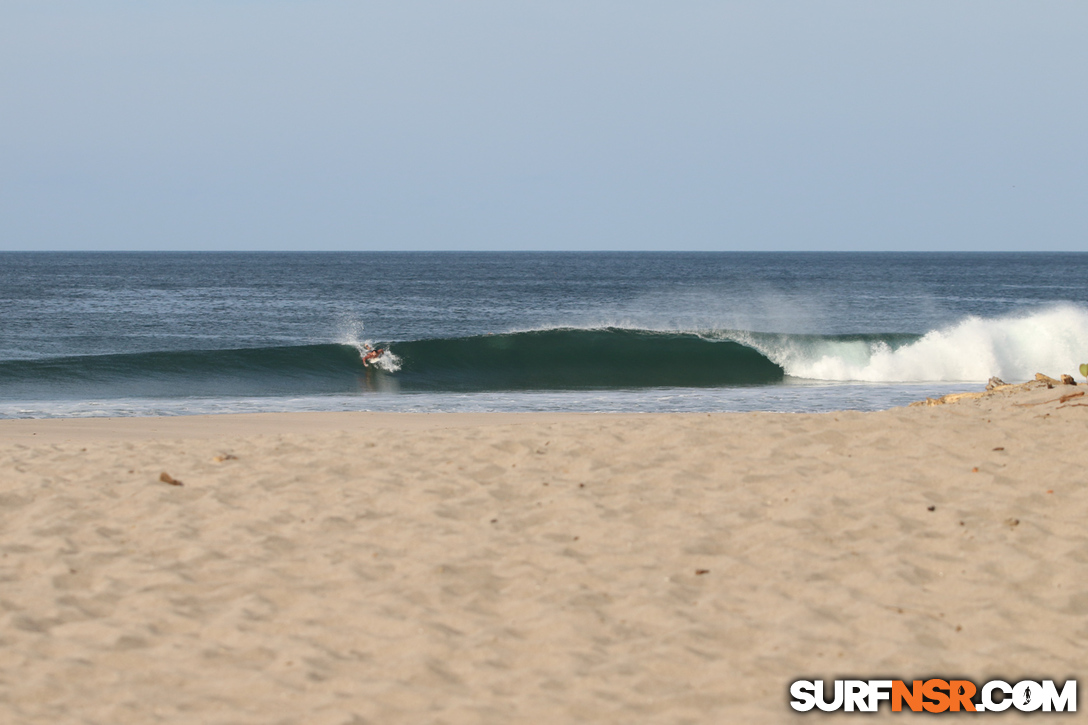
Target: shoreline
(510, 567)
(216, 425)
(788, 397)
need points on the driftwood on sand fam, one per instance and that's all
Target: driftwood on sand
(997, 386)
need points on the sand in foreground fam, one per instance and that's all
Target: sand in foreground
(351, 568)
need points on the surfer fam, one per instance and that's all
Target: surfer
(371, 354)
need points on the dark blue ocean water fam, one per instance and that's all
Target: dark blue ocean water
(172, 333)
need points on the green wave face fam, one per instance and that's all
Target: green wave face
(560, 359)
(579, 359)
(293, 370)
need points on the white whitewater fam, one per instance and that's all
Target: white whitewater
(1052, 340)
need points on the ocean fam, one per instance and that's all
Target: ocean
(125, 334)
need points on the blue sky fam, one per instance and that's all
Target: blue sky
(551, 125)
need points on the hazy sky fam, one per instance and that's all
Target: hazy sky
(803, 125)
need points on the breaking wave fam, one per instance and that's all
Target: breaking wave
(1053, 340)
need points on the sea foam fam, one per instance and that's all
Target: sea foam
(1052, 340)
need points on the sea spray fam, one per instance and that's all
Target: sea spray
(351, 333)
(388, 361)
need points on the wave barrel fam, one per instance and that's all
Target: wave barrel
(573, 359)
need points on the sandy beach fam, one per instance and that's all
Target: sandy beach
(337, 568)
